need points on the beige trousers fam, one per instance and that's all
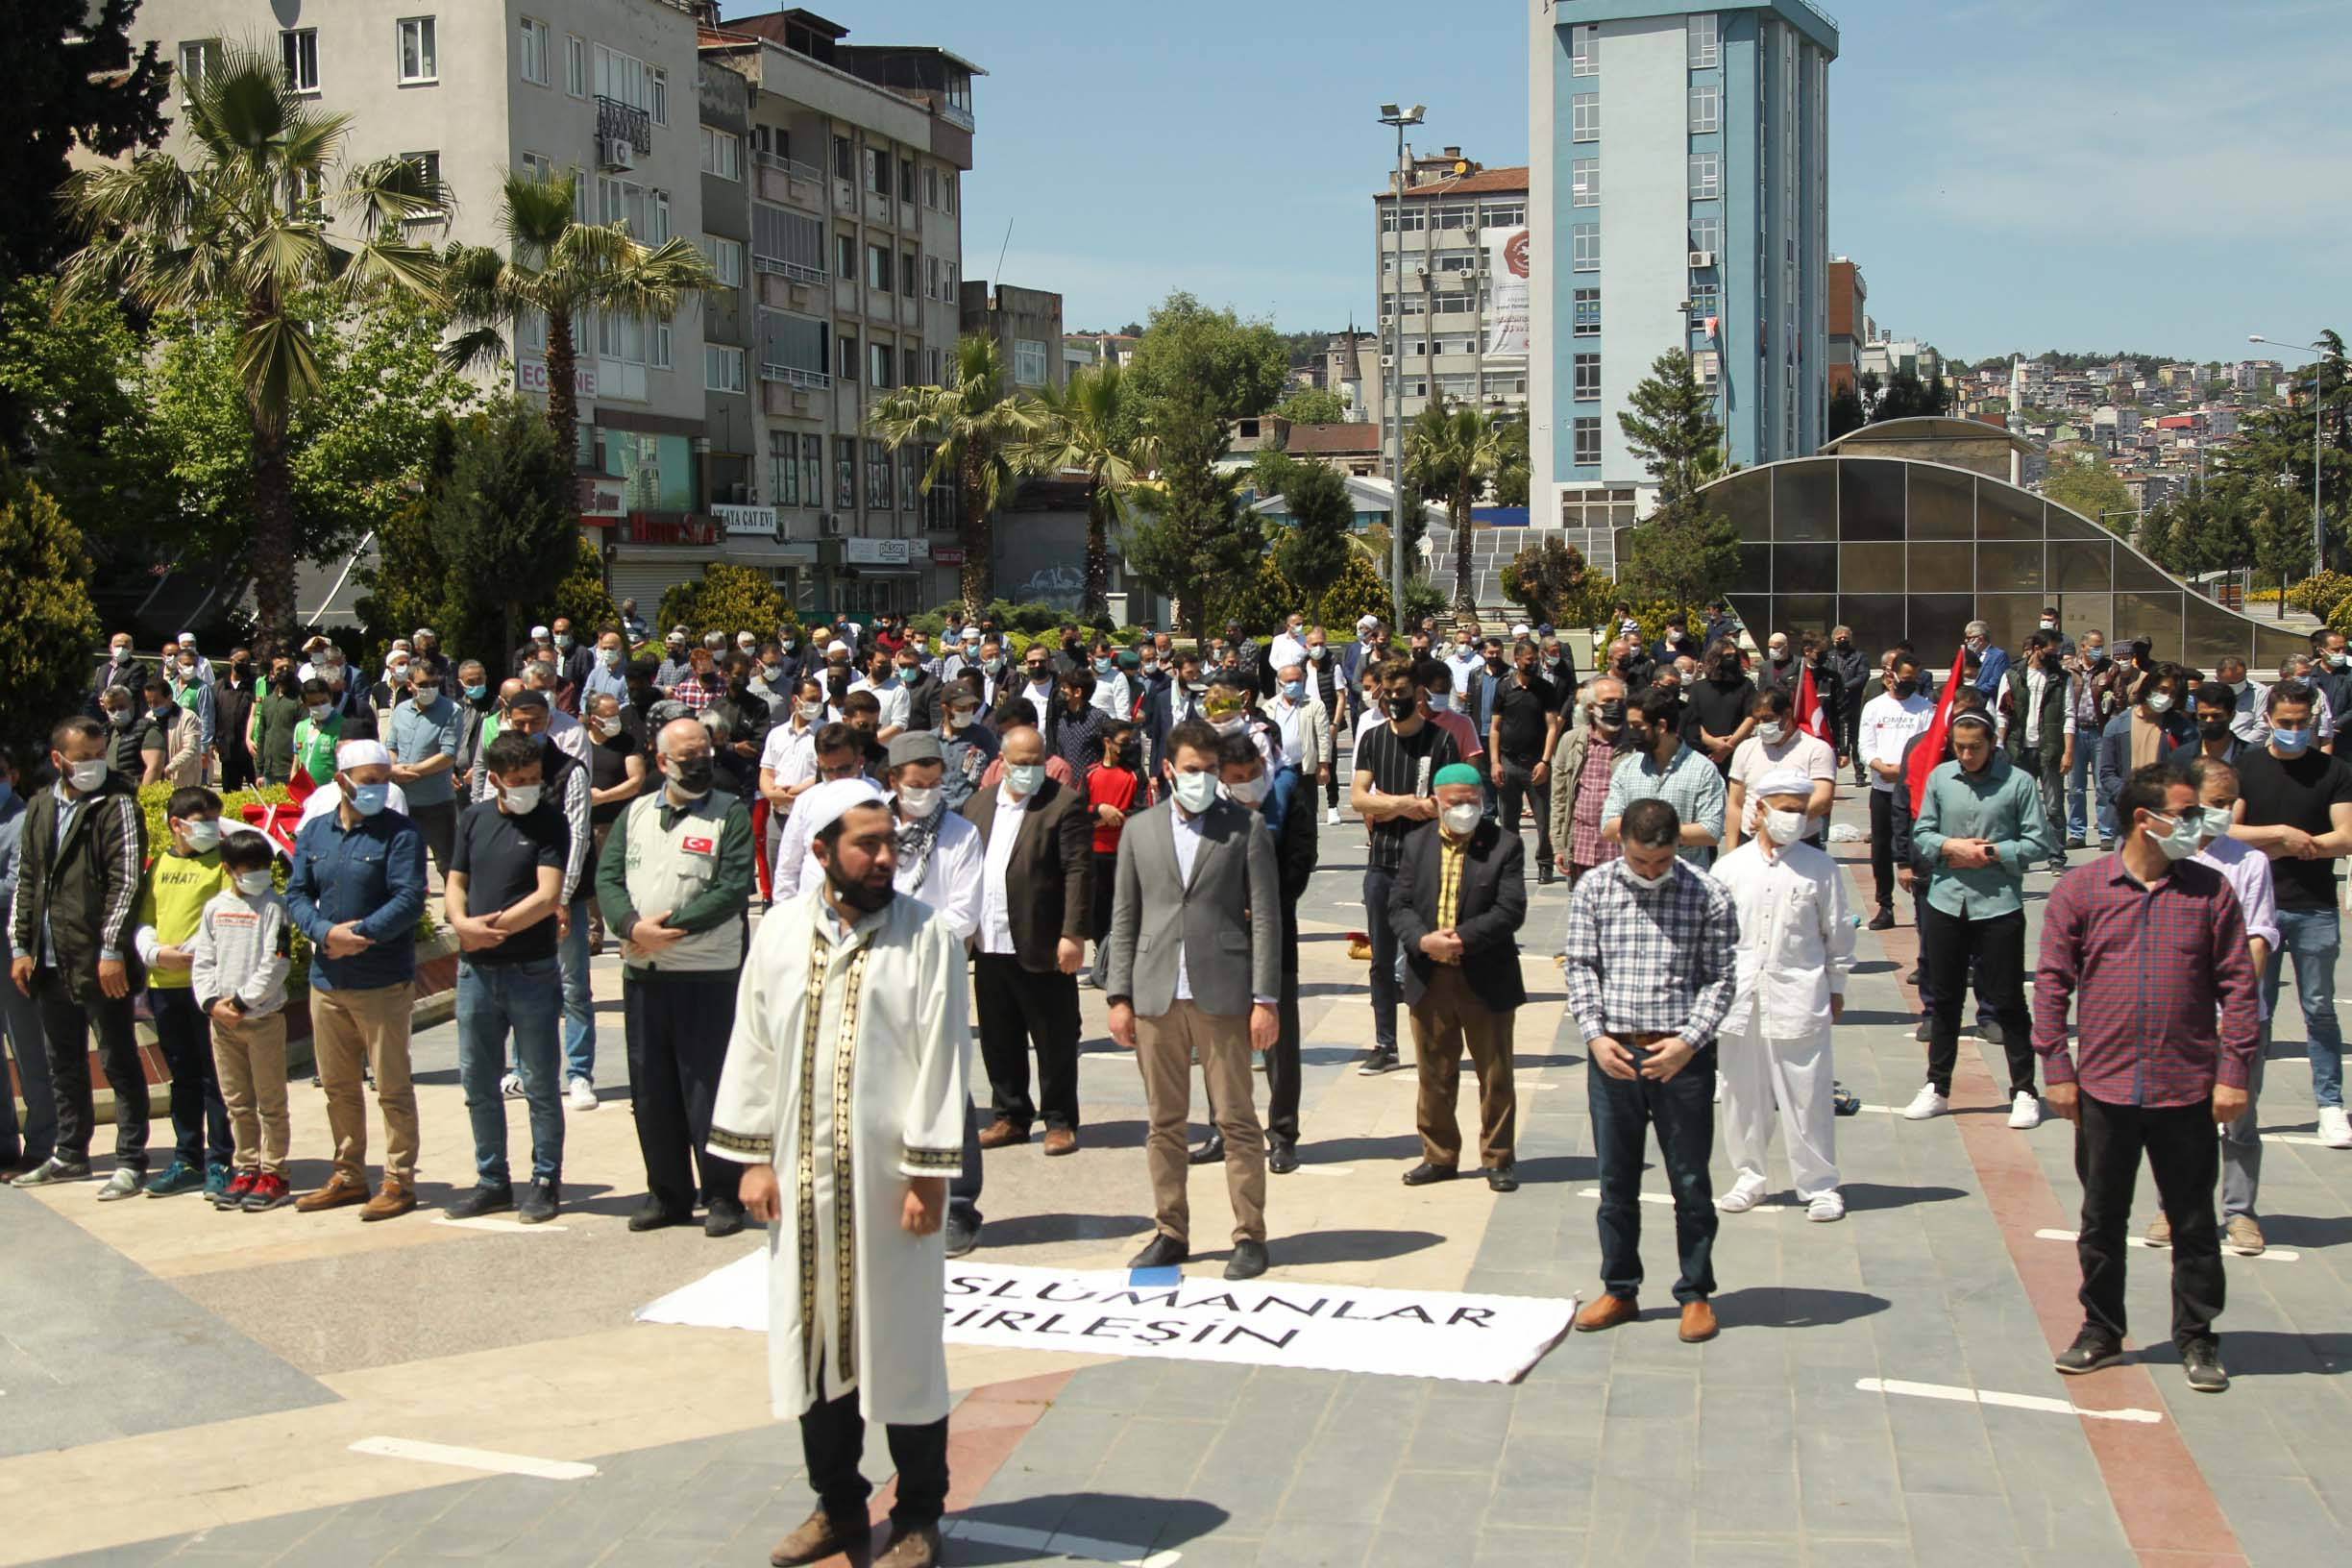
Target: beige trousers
(1165, 1049)
(349, 1027)
(250, 1058)
(1447, 1018)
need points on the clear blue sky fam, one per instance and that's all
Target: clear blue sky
(2154, 174)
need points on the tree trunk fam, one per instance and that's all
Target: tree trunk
(1095, 599)
(273, 536)
(1465, 593)
(973, 532)
(563, 397)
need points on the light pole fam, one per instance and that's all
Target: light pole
(1392, 386)
(2318, 434)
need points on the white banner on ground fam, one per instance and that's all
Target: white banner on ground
(1331, 1328)
(1507, 286)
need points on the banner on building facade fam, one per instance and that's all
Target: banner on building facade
(1329, 1327)
(1507, 290)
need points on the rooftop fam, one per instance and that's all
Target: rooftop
(1512, 181)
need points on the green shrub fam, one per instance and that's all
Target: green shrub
(2320, 594)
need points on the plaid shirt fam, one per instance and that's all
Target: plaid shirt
(1688, 782)
(1585, 845)
(1448, 883)
(1653, 960)
(2146, 968)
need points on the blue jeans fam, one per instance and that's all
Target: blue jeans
(493, 1001)
(1682, 1109)
(2313, 936)
(2082, 780)
(578, 1009)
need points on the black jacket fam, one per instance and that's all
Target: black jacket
(87, 887)
(1294, 855)
(1489, 908)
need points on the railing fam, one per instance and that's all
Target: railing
(790, 165)
(1834, 27)
(618, 121)
(795, 270)
(816, 380)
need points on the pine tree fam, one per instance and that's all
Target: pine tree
(44, 577)
(1686, 552)
(1201, 533)
(1315, 550)
(503, 521)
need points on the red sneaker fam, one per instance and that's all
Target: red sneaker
(268, 1191)
(233, 1195)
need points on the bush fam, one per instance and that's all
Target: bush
(1360, 590)
(1421, 597)
(51, 625)
(582, 597)
(2339, 618)
(2320, 595)
(729, 599)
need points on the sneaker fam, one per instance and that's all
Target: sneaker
(2075, 841)
(233, 1196)
(582, 1096)
(2090, 1352)
(1743, 1196)
(1925, 1033)
(2159, 1231)
(1826, 1208)
(2026, 1112)
(2334, 1128)
(1381, 1058)
(267, 1193)
(476, 1202)
(216, 1182)
(2243, 1236)
(2201, 1361)
(123, 1184)
(963, 1232)
(177, 1177)
(1330, 817)
(539, 1201)
(511, 1086)
(1883, 921)
(52, 1171)
(1925, 1103)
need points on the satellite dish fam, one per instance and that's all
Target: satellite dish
(1461, 166)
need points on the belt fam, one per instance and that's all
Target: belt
(1650, 1036)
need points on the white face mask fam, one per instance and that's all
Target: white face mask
(959, 718)
(2159, 701)
(1025, 778)
(1648, 883)
(1194, 792)
(1251, 791)
(1784, 826)
(521, 797)
(1459, 819)
(203, 836)
(89, 776)
(253, 883)
(918, 798)
(1771, 734)
(811, 712)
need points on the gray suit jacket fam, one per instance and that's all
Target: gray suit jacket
(1226, 921)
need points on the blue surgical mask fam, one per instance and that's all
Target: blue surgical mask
(2290, 742)
(1024, 779)
(2185, 838)
(1102, 666)
(367, 799)
(475, 694)
(1294, 689)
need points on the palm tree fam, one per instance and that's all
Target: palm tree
(974, 432)
(1454, 452)
(1081, 428)
(561, 268)
(241, 230)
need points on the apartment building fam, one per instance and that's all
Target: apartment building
(1025, 324)
(1849, 323)
(1451, 242)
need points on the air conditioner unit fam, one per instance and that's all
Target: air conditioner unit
(1388, 361)
(1703, 258)
(829, 526)
(1421, 270)
(1386, 319)
(617, 153)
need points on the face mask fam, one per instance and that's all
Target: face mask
(1250, 792)
(563, 641)
(1611, 714)
(1316, 651)
(2214, 728)
(521, 797)
(428, 696)
(1783, 826)
(604, 730)
(164, 710)
(86, 777)
(1025, 778)
(1102, 666)
(2290, 742)
(2097, 655)
(119, 718)
(1038, 675)
(1771, 734)
(397, 674)
(1843, 644)
(1779, 655)
(367, 799)
(318, 712)
(608, 657)
(960, 718)
(203, 836)
(1459, 819)
(1440, 701)
(1905, 688)
(122, 656)
(253, 884)
(187, 667)
(692, 776)
(2159, 701)
(788, 644)
(918, 798)
(1294, 689)
(993, 666)
(2183, 838)
(1400, 708)
(2052, 663)
(2217, 822)
(1195, 791)
(1649, 884)
(2338, 661)
(2049, 625)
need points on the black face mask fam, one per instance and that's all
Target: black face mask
(1844, 644)
(1613, 714)
(2214, 727)
(1495, 666)
(692, 774)
(1402, 708)
(1905, 688)
(1727, 666)
(2052, 663)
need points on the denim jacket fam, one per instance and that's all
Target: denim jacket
(374, 874)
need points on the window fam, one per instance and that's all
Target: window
(722, 154)
(845, 257)
(646, 212)
(845, 356)
(532, 48)
(845, 473)
(531, 330)
(878, 475)
(627, 80)
(949, 188)
(1463, 215)
(197, 56)
(877, 171)
(793, 349)
(1705, 301)
(878, 361)
(1586, 368)
(1705, 176)
(791, 243)
(879, 267)
(1587, 306)
(1584, 247)
(1028, 363)
(1587, 433)
(657, 101)
(1707, 234)
(1585, 117)
(910, 371)
(1704, 40)
(906, 179)
(722, 368)
(909, 493)
(812, 471)
(1506, 215)
(906, 273)
(784, 472)
(1584, 51)
(1584, 183)
(298, 47)
(428, 166)
(419, 54)
(842, 157)
(575, 65)
(1705, 104)
(1413, 219)
(726, 260)
(659, 333)
(931, 187)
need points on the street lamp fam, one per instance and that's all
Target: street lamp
(1391, 382)
(2319, 430)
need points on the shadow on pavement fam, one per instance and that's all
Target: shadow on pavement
(1344, 1246)
(1779, 1307)
(1340, 1151)
(1557, 1167)
(1095, 1516)
(1030, 1229)
(1864, 1196)
(2266, 1353)
(2305, 1231)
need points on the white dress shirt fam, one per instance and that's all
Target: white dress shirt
(1187, 836)
(950, 878)
(995, 914)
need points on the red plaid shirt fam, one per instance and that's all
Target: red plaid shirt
(2148, 969)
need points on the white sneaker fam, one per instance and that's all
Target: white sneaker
(1827, 1206)
(1330, 817)
(582, 1096)
(1925, 1103)
(2026, 1112)
(511, 1086)
(1743, 1196)
(2335, 1127)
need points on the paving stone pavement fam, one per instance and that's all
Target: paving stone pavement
(1629, 1446)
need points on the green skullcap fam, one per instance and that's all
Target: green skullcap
(1457, 772)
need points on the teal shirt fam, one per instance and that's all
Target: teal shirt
(2003, 805)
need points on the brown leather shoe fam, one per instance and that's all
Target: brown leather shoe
(391, 1200)
(341, 1187)
(1698, 1322)
(1607, 1312)
(819, 1537)
(912, 1549)
(1000, 1131)
(1061, 1140)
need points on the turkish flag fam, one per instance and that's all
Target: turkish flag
(1810, 716)
(1930, 749)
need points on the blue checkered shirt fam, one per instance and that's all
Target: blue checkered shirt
(1651, 960)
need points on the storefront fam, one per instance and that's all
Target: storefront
(876, 576)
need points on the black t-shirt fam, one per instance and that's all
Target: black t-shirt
(500, 856)
(608, 768)
(1402, 765)
(2297, 793)
(1523, 713)
(1717, 706)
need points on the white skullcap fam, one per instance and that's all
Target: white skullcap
(185, 637)
(1784, 781)
(824, 804)
(362, 755)
(836, 645)
(425, 631)
(1366, 622)
(539, 631)
(1519, 630)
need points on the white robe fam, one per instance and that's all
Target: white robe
(850, 1293)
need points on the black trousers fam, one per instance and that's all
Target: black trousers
(1928, 980)
(71, 1010)
(1514, 789)
(1995, 948)
(438, 823)
(1882, 844)
(198, 1114)
(1850, 731)
(1387, 991)
(833, 1443)
(236, 766)
(964, 1192)
(2184, 1157)
(677, 1027)
(1331, 783)
(1281, 1063)
(1020, 1010)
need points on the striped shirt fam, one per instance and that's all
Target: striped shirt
(1651, 960)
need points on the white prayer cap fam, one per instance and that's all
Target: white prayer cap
(836, 645)
(1366, 622)
(825, 803)
(1784, 781)
(189, 638)
(424, 631)
(362, 755)
(1520, 629)
(539, 631)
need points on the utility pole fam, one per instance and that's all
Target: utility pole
(1392, 381)
(2318, 436)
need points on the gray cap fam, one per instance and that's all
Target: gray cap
(916, 745)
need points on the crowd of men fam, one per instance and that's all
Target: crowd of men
(891, 798)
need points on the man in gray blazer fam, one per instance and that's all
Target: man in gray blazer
(1195, 966)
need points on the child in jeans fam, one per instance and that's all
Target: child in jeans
(238, 972)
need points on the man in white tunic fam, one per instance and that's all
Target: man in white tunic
(844, 1095)
(1795, 946)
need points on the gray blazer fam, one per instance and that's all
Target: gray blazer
(1226, 921)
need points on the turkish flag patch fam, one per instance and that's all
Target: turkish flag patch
(702, 846)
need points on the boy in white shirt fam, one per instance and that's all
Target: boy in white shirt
(238, 959)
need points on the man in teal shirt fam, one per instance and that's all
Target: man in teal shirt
(426, 730)
(1979, 827)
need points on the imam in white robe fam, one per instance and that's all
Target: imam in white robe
(846, 1074)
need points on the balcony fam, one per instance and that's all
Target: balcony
(617, 121)
(690, 530)
(787, 182)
